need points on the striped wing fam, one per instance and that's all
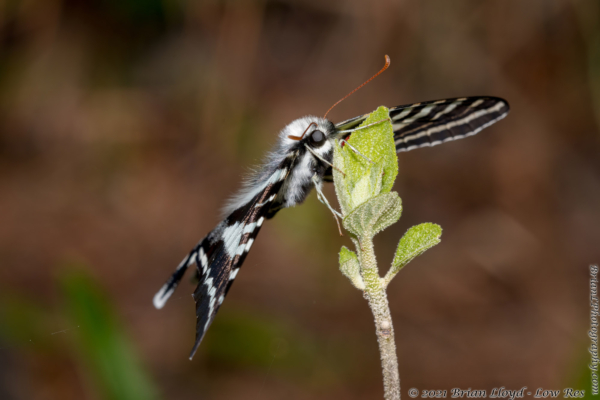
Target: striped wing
(220, 255)
(435, 122)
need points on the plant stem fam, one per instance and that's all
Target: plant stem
(378, 302)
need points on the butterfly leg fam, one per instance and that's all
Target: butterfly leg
(324, 160)
(355, 150)
(317, 182)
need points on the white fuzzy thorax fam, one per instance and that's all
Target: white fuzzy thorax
(271, 171)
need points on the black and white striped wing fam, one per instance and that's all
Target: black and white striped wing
(435, 122)
(221, 253)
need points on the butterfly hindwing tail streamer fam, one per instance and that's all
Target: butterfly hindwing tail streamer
(161, 297)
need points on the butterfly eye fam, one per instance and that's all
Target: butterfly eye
(317, 138)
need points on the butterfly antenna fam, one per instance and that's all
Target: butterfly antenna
(387, 64)
(306, 130)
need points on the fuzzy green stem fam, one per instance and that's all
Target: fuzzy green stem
(368, 207)
(376, 296)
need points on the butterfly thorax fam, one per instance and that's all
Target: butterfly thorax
(300, 158)
(312, 155)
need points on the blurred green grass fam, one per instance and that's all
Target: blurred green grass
(101, 343)
(96, 340)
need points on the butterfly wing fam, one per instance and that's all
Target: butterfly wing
(435, 122)
(220, 255)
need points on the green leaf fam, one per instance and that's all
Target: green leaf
(368, 186)
(414, 243)
(374, 215)
(363, 178)
(350, 267)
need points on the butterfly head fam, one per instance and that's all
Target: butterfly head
(318, 134)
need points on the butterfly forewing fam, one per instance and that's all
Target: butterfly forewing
(434, 122)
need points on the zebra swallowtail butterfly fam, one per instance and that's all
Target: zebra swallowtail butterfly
(302, 160)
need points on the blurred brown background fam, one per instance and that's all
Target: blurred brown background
(125, 124)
